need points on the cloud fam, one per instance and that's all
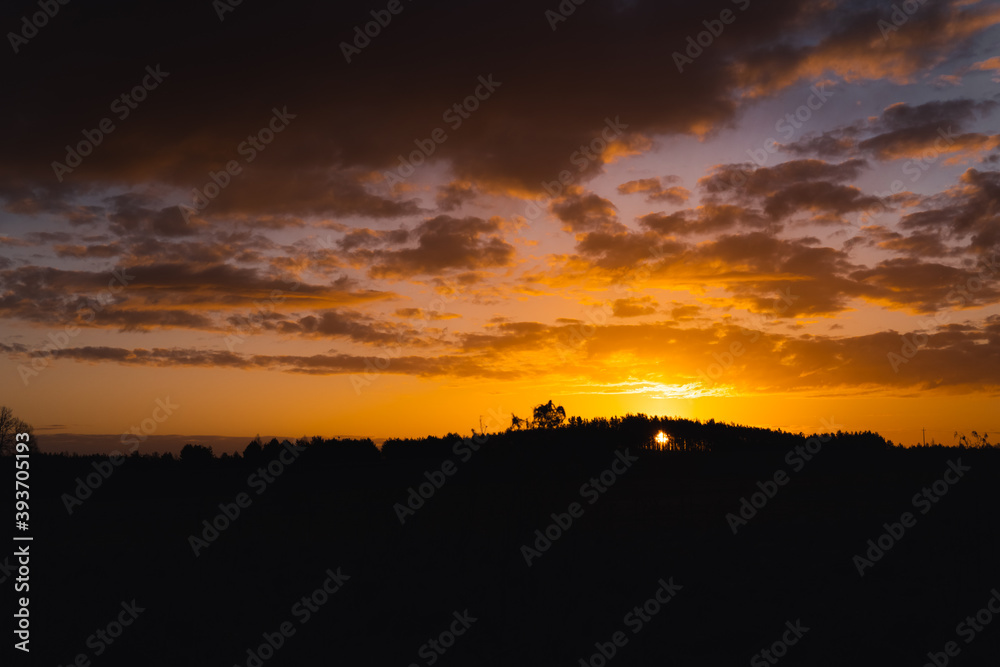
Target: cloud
(421, 314)
(964, 212)
(366, 238)
(103, 250)
(634, 306)
(133, 213)
(905, 130)
(655, 190)
(859, 43)
(159, 295)
(808, 185)
(952, 356)
(444, 244)
(926, 287)
(919, 244)
(454, 195)
(707, 219)
(748, 180)
(584, 212)
(525, 133)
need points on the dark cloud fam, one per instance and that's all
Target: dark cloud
(747, 180)
(851, 43)
(906, 130)
(344, 120)
(956, 112)
(656, 189)
(927, 287)
(444, 244)
(138, 214)
(967, 212)
(352, 325)
(624, 250)
(818, 197)
(367, 238)
(421, 314)
(919, 244)
(685, 313)
(585, 212)
(707, 219)
(167, 295)
(634, 306)
(958, 356)
(453, 195)
(103, 250)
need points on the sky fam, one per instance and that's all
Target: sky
(404, 218)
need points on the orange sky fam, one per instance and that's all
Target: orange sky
(799, 226)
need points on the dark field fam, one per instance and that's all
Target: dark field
(664, 517)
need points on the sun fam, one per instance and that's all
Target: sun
(662, 439)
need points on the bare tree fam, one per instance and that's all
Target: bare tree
(516, 423)
(10, 426)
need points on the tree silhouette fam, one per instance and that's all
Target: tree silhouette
(10, 426)
(549, 415)
(196, 454)
(516, 423)
(252, 452)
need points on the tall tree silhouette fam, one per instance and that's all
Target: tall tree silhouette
(549, 415)
(10, 426)
(516, 423)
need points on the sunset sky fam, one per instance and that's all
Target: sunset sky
(487, 205)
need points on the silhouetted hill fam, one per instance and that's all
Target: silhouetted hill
(549, 538)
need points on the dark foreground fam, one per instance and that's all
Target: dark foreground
(455, 573)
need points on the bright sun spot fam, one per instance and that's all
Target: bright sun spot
(661, 438)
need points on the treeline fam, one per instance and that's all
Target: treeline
(575, 437)
(569, 439)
